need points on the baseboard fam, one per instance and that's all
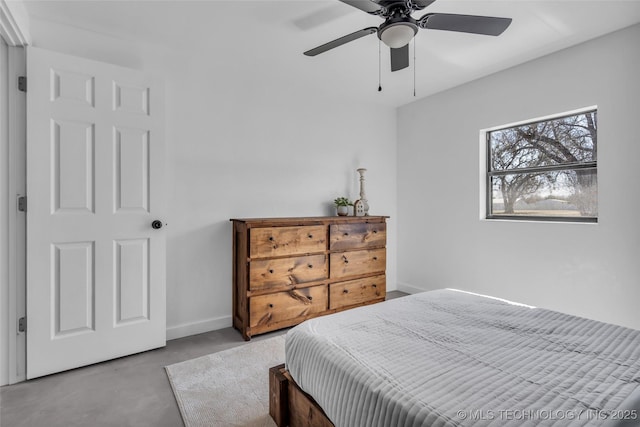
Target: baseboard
(405, 287)
(194, 328)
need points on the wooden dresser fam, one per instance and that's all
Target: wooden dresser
(286, 270)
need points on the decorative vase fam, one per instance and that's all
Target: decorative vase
(342, 210)
(364, 208)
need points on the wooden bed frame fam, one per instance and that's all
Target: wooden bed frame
(289, 405)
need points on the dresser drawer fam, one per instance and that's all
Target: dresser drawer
(281, 241)
(270, 273)
(356, 236)
(282, 306)
(357, 291)
(356, 263)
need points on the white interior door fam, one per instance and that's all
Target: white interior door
(95, 264)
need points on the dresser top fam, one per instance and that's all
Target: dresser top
(312, 220)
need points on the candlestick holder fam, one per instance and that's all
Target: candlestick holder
(361, 206)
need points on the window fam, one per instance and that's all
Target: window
(544, 170)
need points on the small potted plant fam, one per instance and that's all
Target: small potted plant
(342, 205)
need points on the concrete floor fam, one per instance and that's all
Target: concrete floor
(130, 391)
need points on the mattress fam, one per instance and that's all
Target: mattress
(450, 358)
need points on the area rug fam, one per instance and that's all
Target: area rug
(228, 388)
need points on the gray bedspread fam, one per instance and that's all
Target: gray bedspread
(450, 358)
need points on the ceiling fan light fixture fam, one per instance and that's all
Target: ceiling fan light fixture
(399, 27)
(397, 35)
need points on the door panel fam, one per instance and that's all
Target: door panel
(132, 280)
(72, 170)
(95, 159)
(74, 297)
(132, 170)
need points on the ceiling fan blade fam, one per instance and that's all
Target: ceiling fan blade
(364, 5)
(487, 25)
(342, 40)
(421, 4)
(399, 58)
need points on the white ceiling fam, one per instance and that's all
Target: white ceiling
(265, 39)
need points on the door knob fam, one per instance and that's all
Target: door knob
(156, 224)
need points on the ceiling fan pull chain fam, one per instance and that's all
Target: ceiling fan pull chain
(379, 67)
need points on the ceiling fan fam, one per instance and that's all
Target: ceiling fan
(399, 28)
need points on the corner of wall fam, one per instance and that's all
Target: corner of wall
(409, 289)
(14, 23)
(199, 327)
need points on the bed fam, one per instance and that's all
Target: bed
(451, 358)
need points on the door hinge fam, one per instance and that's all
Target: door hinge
(22, 84)
(22, 203)
(22, 324)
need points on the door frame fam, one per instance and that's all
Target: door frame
(14, 30)
(17, 220)
(15, 285)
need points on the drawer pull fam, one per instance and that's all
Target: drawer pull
(375, 231)
(375, 258)
(344, 258)
(346, 234)
(310, 236)
(271, 238)
(271, 271)
(310, 297)
(346, 291)
(374, 285)
(310, 265)
(270, 305)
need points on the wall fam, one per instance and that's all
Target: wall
(242, 148)
(591, 270)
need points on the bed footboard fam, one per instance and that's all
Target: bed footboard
(289, 405)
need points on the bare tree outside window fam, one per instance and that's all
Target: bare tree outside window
(544, 170)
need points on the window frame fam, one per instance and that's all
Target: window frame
(489, 173)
